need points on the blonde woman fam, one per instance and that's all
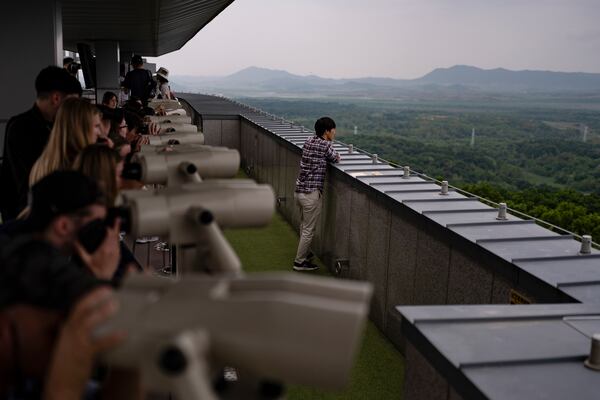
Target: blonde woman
(77, 125)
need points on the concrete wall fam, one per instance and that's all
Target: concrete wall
(26, 51)
(222, 132)
(422, 381)
(408, 258)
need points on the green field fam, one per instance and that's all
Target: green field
(519, 142)
(378, 372)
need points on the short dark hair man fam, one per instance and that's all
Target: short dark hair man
(27, 135)
(317, 151)
(138, 82)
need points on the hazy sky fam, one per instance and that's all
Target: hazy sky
(393, 38)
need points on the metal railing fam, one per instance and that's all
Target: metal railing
(512, 211)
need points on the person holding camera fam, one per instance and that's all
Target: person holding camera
(27, 135)
(105, 166)
(65, 241)
(71, 66)
(44, 354)
(51, 305)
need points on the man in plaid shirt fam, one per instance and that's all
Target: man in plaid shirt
(316, 153)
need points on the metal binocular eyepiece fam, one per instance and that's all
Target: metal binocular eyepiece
(233, 204)
(172, 166)
(271, 325)
(181, 137)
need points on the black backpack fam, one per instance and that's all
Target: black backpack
(150, 89)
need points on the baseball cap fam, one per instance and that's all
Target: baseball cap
(61, 192)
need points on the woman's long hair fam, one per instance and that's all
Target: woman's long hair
(69, 136)
(99, 162)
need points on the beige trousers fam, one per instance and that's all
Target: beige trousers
(310, 209)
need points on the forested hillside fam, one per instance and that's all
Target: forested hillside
(534, 158)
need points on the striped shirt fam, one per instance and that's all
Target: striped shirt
(313, 165)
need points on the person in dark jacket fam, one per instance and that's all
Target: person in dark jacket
(50, 305)
(38, 253)
(40, 284)
(138, 82)
(27, 135)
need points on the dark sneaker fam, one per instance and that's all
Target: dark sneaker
(305, 266)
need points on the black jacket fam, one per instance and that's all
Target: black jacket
(140, 83)
(34, 272)
(26, 137)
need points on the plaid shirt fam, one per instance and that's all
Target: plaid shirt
(313, 165)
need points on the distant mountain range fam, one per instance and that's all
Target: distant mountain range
(460, 79)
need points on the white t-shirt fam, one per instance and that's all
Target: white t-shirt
(164, 90)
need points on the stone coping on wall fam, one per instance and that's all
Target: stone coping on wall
(503, 352)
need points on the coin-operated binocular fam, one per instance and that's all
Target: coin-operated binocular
(171, 107)
(170, 119)
(176, 138)
(270, 328)
(177, 147)
(191, 215)
(181, 165)
(169, 127)
(166, 104)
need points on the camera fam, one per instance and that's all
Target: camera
(92, 234)
(143, 129)
(73, 68)
(133, 171)
(123, 213)
(176, 138)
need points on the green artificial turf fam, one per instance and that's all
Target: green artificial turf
(378, 371)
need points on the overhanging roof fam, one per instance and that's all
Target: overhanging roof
(149, 28)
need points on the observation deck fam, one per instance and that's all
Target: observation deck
(421, 245)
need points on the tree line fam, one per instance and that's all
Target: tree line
(519, 156)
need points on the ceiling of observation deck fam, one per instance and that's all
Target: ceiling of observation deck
(149, 28)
